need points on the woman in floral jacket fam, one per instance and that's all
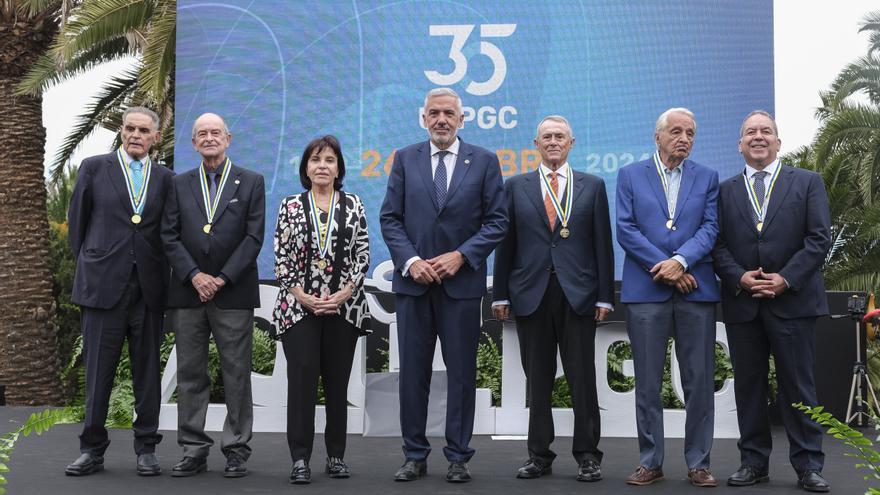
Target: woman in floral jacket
(322, 255)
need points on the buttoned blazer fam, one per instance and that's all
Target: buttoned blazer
(583, 262)
(793, 242)
(642, 213)
(472, 220)
(105, 241)
(232, 246)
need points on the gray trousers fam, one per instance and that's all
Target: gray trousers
(692, 326)
(233, 332)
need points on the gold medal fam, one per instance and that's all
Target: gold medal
(760, 226)
(669, 224)
(207, 228)
(322, 264)
(564, 233)
(135, 219)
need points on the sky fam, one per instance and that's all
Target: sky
(812, 43)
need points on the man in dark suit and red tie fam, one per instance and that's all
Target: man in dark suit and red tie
(555, 272)
(774, 235)
(444, 212)
(114, 220)
(213, 231)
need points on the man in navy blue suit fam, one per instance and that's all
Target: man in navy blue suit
(555, 271)
(667, 224)
(773, 238)
(444, 212)
(121, 275)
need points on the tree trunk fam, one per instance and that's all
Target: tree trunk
(28, 348)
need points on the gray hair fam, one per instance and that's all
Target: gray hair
(765, 113)
(142, 110)
(663, 120)
(222, 121)
(554, 118)
(442, 92)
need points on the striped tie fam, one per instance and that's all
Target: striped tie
(548, 203)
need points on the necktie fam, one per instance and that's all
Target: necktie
(440, 179)
(137, 177)
(213, 184)
(548, 203)
(759, 190)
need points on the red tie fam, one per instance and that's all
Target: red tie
(548, 203)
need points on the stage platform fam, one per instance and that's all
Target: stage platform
(37, 467)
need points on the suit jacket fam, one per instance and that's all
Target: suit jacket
(229, 250)
(106, 243)
(794, 241)
(473, 219)
(642, 213)
(584, 262)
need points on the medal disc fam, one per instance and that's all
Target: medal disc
(207, 228)
(322, 264)
(669, 224)
(564, 233)
(760, 226)
(135, 219)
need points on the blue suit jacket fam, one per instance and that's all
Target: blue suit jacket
(641, 230)
(794, 242)
(106, 243)
(473, 219)
(584, 262)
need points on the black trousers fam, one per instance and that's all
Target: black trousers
(792, 343)
(554, 324)
(104, 331)
(318, 346)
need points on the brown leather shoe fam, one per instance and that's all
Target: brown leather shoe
(644, 476)
(702, 477)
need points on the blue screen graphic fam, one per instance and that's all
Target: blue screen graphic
(284, 72)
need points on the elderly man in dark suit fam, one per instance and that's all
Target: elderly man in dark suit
(213, 231)
(555, 270)
(443, 215)
(774, 235)
(114, 220)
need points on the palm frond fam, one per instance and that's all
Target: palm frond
(861, 76)
(45, 73)
(849, 124)
(32, 8)
(159, 55)
(93, 23)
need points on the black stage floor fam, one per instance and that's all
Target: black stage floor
(37, 467)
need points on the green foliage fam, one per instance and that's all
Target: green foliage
(489, 367)
(852, 438)
(38, 423)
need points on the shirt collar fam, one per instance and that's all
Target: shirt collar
(128, 159)
(562, 170)
(679, 167)
(452, 149)
(770, 169)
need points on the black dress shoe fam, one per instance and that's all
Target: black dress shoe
(812, 481)
(236, 466)
(148, 465)
(748, 475)
(84, 465)
(337, 468)
(589, 470)
(411, 470)
(189, 466)
(533, 468)
(300, 474)
(458, 473)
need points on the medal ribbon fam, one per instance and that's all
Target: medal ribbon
(562, 214)
(665, 182)
(211, 207)
(138, 198)
(322, 229)
(761, 209)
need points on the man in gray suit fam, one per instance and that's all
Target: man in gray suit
(554, 270)
(212, 231)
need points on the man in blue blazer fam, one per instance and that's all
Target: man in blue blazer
(121, 275)
(666, 225)
(443, 214)
(555, 271)
(774, 234)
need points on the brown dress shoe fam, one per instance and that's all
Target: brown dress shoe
(702, 477)
(644, 476)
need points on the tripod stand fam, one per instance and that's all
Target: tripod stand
(856, 408)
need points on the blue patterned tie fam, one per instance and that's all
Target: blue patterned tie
(137, 177)
(440, 179)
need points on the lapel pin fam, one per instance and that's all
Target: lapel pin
(237, 181)
(466, 162)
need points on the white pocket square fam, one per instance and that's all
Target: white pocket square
(233, 200)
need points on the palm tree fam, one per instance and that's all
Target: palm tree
(28, 348)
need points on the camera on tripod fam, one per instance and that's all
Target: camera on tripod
(856, 306)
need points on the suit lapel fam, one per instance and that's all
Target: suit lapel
(684, 188)
(229, 191)
(777, 196)
(462, 166)
(153, 197)
(741, 200)
(533, 191)
(196, 188)
(116, 177)
(425, 172)
(656, 186)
